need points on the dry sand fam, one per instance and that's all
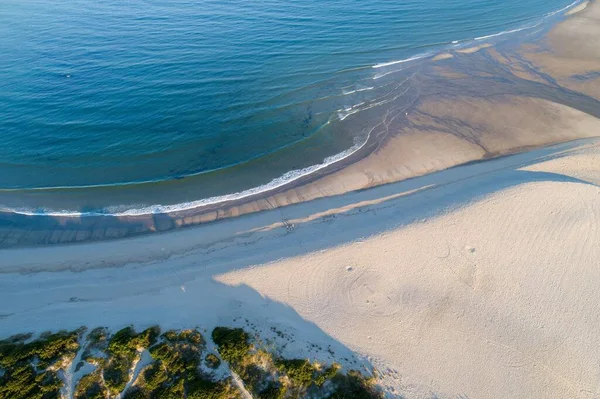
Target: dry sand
(578, 8)
(480, 280)
(496, 299)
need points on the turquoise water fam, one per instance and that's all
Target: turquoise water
(229, 94)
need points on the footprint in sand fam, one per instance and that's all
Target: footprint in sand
(371, 293)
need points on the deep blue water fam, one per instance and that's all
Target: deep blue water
(114, 92)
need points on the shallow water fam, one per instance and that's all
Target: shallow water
(225, 95)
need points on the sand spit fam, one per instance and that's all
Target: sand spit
(570, 55)
(442, 56)
(479, 118)
(578, 8)
(471, 50)
(475, 105)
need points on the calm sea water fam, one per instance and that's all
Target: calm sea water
(118, 92)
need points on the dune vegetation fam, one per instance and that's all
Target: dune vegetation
(173, 364)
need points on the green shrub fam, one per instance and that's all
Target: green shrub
(198, 388)
(20, 379)
(212, 361)
(136, 393)
(273, 391)
(175, 390)
(125, 342)
(233, 344)
(47, 350)
(147, 338)
(175, 371)
(89, 387)
(122, 349)
(155, 376)
(354, 385)
(22, 382)
(301, 372)
(116, 374)
(254, 377)
(18, 338)
(177, 358)
(97, 335)
(327, 374)
(191, 336)
(121, 344)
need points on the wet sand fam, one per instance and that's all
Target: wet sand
(481, 103)
(578, 8)
(476, 281)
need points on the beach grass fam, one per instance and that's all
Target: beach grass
(267, 376)
(103, 365)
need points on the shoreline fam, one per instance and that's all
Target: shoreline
(403, 128)
(446, 264)
(578, 8)
(243, 231)
(409, 276)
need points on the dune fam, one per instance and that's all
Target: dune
(479, 280)
(494, 299)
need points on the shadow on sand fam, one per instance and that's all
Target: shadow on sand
(168, 279)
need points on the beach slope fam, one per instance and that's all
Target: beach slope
(497, 298)
(480, 280)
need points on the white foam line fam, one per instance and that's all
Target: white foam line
(389, 73)
(506, 32)
(349, 112)
(381, 75)
(416, 57)
(286, 178)
(420, 56)
(373, 105)
(564, 9)
(533, 26)
(357, 90)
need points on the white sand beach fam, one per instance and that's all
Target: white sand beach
(452, 278)
(578, 8)
(495, 299)
(480, 280)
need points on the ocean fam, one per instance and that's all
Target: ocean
(113, 107)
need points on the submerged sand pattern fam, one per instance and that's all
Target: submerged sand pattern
(484, 101)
